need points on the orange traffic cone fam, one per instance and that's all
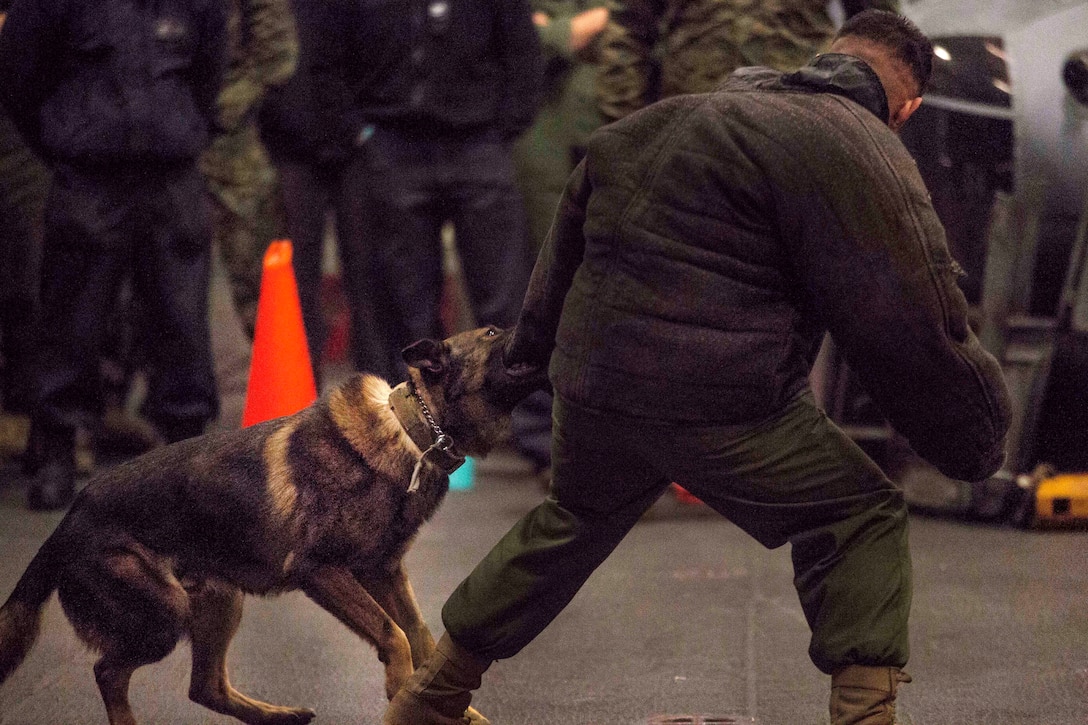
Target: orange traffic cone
(281, 378)
(685, 496)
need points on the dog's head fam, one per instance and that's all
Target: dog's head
(468, 388)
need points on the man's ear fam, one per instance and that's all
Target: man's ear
(905, 111)
(426, 355)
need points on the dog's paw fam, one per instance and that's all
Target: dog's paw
(289, 716)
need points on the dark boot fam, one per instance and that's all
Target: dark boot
(54, 484)
(865, 695)
(440, 691)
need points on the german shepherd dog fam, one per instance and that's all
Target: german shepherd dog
(327, 500)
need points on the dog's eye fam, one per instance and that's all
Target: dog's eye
(491, 332)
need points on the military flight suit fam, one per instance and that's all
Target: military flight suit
(546, 154)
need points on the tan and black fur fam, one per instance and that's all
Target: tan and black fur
(167, 545)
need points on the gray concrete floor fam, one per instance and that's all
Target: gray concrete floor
(689, 618)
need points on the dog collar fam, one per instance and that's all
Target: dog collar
(416, 419)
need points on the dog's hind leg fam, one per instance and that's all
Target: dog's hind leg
(341, 594)
(126, 604)
(216, 613)
(113, 675)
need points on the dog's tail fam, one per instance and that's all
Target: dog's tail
(20, 617)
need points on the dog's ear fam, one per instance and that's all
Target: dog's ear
(428, 356)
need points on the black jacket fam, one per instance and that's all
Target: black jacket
(436, 67)
(291, 125)
(708, 241)
(93, 82)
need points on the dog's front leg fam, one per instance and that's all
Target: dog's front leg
(341, 594)
(394, 593)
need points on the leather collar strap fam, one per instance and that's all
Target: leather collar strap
(438, 448)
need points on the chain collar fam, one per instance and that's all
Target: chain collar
(416, 419)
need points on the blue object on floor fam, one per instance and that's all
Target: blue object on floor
(462, 478)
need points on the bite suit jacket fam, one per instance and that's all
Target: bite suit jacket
(708, 241)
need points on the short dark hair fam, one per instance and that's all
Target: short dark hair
(897, 33)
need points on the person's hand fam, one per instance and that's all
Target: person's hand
(585, 26)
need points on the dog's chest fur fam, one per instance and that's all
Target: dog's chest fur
(349, 463)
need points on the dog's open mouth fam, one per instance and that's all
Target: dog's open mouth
(522, 370)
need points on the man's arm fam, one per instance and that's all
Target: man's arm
(627, 72)
(874, 268)
(334, 27)
(523, 67)
(564, 35)
(209, 68)
(560, 256)
(268, 58)
(28, 43)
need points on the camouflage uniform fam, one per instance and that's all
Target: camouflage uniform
(546, 154)
(240, 176)
(652, 49)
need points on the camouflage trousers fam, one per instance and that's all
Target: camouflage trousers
(246, 213)
(242, 241)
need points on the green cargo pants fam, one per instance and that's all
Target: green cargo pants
(795, 478)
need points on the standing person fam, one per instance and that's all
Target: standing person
(263, 47)
(321, 173)
(119, 99)
(263, 52)
(431, 95)
(24, 182)
(698, 255)
(654, 49)
(548, 152)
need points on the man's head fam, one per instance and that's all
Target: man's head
(897, 51)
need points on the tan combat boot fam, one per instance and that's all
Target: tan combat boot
(865, 695)
(440, 690)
